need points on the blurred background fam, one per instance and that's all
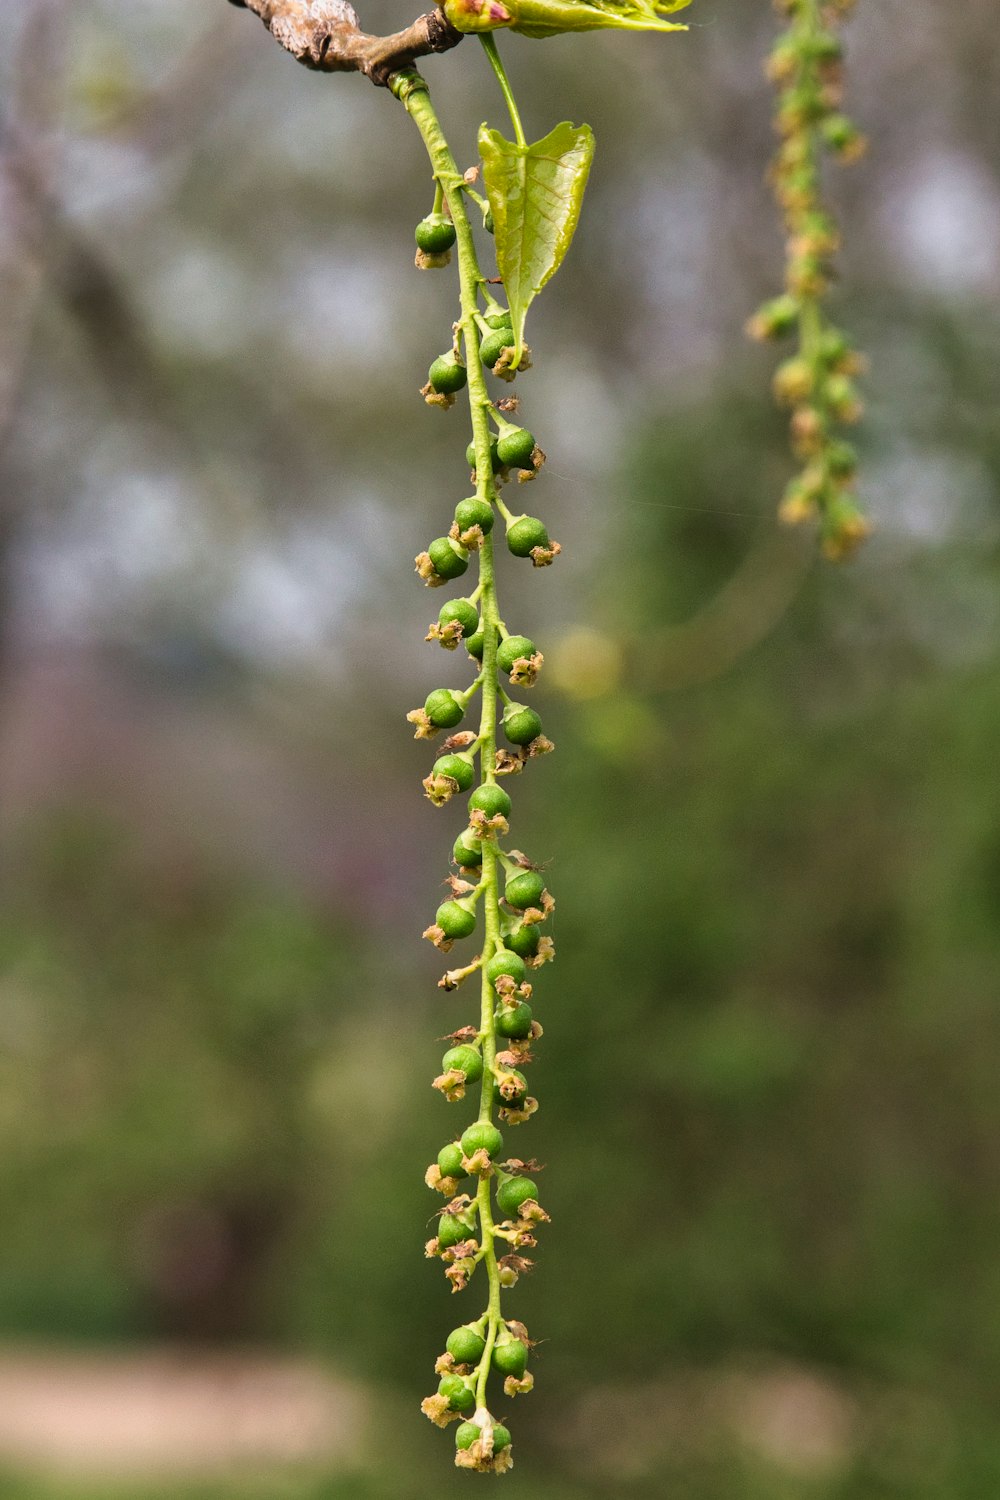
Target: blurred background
(769, 1077)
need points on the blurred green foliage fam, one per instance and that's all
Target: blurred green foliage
(768, 1075)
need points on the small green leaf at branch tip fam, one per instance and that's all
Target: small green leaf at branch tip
(535, 193)
(541, 18)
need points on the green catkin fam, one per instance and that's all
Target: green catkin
(816, 383)
(504, 1031)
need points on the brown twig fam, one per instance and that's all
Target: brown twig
(327, 35)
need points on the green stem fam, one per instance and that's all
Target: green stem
(411, 89)
(508, 515)
(490, 48)
(470, 692)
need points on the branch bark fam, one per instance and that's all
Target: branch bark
(327, 35)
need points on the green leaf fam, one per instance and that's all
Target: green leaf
(541, 18)
(535, 193)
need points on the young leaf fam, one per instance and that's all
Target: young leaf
(541, 18)
(535, 192)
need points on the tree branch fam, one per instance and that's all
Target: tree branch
(327, 35)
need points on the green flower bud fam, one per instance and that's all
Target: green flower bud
(463, 1060)
(490, 799)
(494, 344)
(470, 456)
(467, 853)
(467, 1433)
(515, 448)
(525, 534)
(512, 1193)
(482, 1136)
(775, 318)
(841, 461)
(459, 1395)
(510, 1357)
(435, 234)
(451, 1231)
(443, 709)
(455, 920)
(524, 940)
(474, 513)
(450, 1160)
(505, 1101)
(833, 347)
(458, 767)
(447, 375)
(450, 560)
(463, 611)
(498, 320)
(513, 1021)
(524, 889)
(843, 136)
(521, 724)
(466, 1345)
(488, 224)
(505, 962)
(513, 649)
